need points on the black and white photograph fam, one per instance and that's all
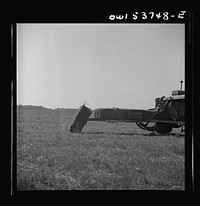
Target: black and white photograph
(100, 106)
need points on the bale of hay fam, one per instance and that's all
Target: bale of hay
(111, 114)
(121, 114)
(80, 119)
(104, 114)
(136, 114)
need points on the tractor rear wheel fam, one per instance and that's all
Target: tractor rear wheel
(163, 128)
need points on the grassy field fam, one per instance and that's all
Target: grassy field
(103, 157)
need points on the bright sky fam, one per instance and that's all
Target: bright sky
(104, 65)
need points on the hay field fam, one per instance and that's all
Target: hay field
(103, 157)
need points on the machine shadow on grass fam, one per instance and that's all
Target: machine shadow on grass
(151, 134)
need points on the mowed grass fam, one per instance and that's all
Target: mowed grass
(102, 157)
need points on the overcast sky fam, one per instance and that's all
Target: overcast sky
(104, 65)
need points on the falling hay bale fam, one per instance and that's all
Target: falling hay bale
(80, 119)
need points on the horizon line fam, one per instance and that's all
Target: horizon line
(25, 105)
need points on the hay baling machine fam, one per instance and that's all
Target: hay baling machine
(169, 113)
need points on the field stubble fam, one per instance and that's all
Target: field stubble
(102, 157)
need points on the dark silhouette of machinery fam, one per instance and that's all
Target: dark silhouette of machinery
(169, 113)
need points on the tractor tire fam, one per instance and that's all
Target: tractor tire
(163, 128)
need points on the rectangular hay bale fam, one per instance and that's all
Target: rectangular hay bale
(134, 114)
(121, 114)
(80, 119)
(105, 114)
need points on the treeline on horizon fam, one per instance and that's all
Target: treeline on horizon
(42, 107)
